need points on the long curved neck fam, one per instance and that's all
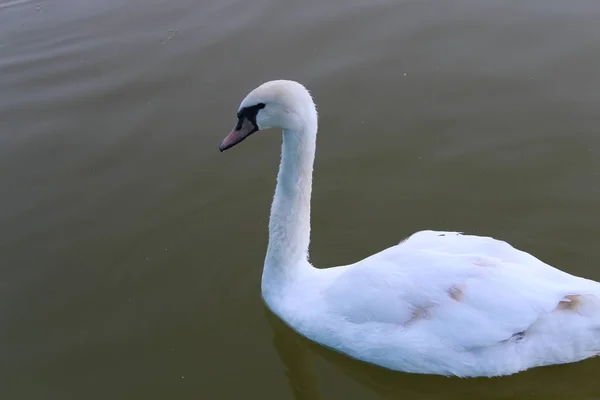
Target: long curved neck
(289, 224)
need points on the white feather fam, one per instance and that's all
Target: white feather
(437, 303)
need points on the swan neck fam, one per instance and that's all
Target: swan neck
(289, 223)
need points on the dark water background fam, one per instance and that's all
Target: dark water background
(131, 249)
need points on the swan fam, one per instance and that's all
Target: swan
(442, 303)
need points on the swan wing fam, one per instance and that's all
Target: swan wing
(461, 290)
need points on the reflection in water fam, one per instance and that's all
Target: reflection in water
(296, 358)
(570, 381)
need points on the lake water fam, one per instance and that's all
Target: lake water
(131, 249)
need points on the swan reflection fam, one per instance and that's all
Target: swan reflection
(567, 381)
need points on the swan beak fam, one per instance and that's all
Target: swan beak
(238, 134)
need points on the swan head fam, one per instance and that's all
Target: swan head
(275, 104)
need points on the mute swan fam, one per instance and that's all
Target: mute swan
(437, 303)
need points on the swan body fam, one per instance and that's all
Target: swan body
(437, 303)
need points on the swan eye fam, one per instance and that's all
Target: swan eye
(250, 114)
(250, 111)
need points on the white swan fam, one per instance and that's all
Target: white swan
(437, 303)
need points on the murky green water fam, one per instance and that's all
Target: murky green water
(131, 249)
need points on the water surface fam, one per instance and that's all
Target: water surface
(131, 249)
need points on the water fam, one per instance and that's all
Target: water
(131, 249)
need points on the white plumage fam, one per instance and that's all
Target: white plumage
(437, 303)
